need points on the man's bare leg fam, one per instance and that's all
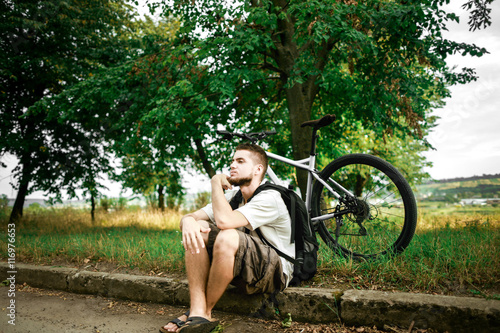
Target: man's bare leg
(221, 270)
(208, 283)
(197, 269)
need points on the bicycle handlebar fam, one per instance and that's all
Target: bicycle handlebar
(253, 137)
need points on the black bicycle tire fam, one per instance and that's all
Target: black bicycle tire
(410, 206)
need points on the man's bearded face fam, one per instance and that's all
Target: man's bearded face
(242, 168)
(235, 181)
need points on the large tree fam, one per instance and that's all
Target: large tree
(378, 62)
(47, 46)
(119, 106)
(378, 65)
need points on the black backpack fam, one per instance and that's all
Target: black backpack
(306, 245)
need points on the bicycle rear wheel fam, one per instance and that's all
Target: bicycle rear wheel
(379, 217)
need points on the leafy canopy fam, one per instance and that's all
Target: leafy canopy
(45, 48)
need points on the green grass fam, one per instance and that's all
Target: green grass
(128, 246)
(147, 241)
(455, 251)
(452, 252)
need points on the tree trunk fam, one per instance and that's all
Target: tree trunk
(161, 198)
(300, 97)
(360, 185)
(299, 112)
(92, 207)
(17, 210)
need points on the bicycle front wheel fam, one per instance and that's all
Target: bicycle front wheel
(373, 207)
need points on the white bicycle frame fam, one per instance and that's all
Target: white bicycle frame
(308, 164)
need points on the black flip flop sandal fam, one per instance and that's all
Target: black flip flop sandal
(179, 323)
(198, 325)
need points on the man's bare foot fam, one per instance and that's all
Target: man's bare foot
(196, 324)
(175, 324)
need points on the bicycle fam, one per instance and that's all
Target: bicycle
(360, 205)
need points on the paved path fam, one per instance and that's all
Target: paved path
(48, 311)
(411, 312)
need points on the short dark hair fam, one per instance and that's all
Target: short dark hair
(259, 154)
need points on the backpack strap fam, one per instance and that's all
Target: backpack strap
(281, 254)
(235, 203)
(292, 216)
(236, 200)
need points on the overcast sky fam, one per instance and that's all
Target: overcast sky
(467, 138)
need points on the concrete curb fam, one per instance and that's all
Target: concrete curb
(351, 307)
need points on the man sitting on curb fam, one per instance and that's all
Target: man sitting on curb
(222, 247)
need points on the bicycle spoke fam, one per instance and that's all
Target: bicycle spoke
(376, 191)
(374, 219)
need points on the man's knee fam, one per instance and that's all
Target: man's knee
(227, 241)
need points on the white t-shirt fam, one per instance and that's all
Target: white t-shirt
(268, 212)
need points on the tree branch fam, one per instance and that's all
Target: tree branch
(203, 157)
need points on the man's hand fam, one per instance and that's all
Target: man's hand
(220, 180)
(192, 237)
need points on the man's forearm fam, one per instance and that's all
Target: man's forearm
(225, 217)
(220, 205)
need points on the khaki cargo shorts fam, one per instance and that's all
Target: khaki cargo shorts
(257, 267)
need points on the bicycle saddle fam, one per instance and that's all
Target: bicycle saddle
(318, 123)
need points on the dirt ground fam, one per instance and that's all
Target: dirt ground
(40, 310)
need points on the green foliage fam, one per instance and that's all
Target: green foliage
(152, 94)
(105, 203)
(35, 207)
(405, 152)
(276, 64)
(4, 202)
(46, 47)
(116, 204)
(121, 203)
(202, 199)
(4, 207)
(480, 16)
(112, 106)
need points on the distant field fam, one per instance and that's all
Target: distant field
(467, 188)
(439, 208)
